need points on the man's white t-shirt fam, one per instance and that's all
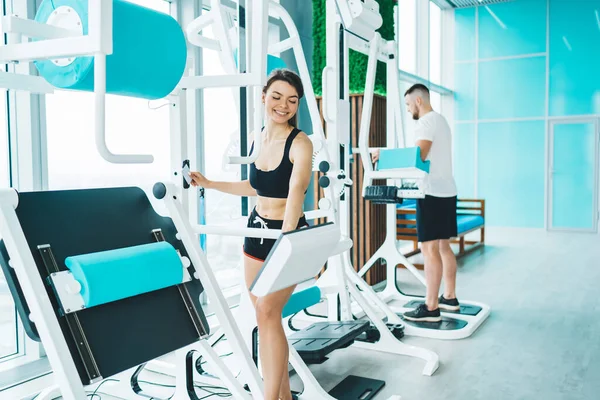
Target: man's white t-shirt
(434, 127)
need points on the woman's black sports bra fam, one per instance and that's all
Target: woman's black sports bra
(274, 183)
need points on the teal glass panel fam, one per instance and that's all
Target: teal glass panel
(464, 37)
(573, 176)
(464, 159)
(512, 28)
(464, 92)
(514, 88)
(511, 172)
(574, 57)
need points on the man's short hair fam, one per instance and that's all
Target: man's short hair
(419, 89)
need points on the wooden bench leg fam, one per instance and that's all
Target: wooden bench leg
(461, 248)
(482, 234)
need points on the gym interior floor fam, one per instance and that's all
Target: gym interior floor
(541, 341)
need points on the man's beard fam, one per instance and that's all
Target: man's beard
(415, 116)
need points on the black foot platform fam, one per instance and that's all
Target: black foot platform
(446, 324)
(464, 309)
(316, 341)
(356, 388)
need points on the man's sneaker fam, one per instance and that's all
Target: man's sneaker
(448, 304)
(422, 314)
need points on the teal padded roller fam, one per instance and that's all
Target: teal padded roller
(117, 274)
(402, 158)
(149, 50)
(301, 300)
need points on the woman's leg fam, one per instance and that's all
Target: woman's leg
(285, 390)
(251, 268)
(274, 352)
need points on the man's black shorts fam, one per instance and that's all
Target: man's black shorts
(436, 218)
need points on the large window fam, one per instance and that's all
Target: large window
(407, 35)
(435, 43)
(133, 125)
(8, 318)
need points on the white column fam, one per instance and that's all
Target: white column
(187, 129)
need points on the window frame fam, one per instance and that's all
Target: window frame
(26, 173)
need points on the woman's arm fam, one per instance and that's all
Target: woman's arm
(301, 155)
(241, 188)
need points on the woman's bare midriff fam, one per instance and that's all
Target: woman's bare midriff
(271, 208)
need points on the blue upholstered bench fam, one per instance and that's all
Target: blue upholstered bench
(470, 217)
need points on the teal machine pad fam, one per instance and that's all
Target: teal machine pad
(107, 276)
(149, 50)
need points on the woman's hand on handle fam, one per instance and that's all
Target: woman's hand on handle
(375, 155)
(199, 180)
(239, 188)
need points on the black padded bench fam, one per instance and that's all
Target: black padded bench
(109, 338)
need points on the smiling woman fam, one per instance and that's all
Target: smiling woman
(279, 179)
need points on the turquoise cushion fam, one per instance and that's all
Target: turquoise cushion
(409, 157)
(301, 300)
(148, 59)
(112, 275)
(408, 204)
(467, 222)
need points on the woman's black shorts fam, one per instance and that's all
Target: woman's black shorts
(258, 248)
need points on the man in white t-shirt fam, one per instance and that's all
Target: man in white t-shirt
(436, 213)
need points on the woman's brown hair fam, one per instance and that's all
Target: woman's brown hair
(286, 75)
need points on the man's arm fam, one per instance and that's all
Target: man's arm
(424, 138)
(425, 146)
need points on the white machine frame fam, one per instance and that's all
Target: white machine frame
(340, 280)
(336, 113)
